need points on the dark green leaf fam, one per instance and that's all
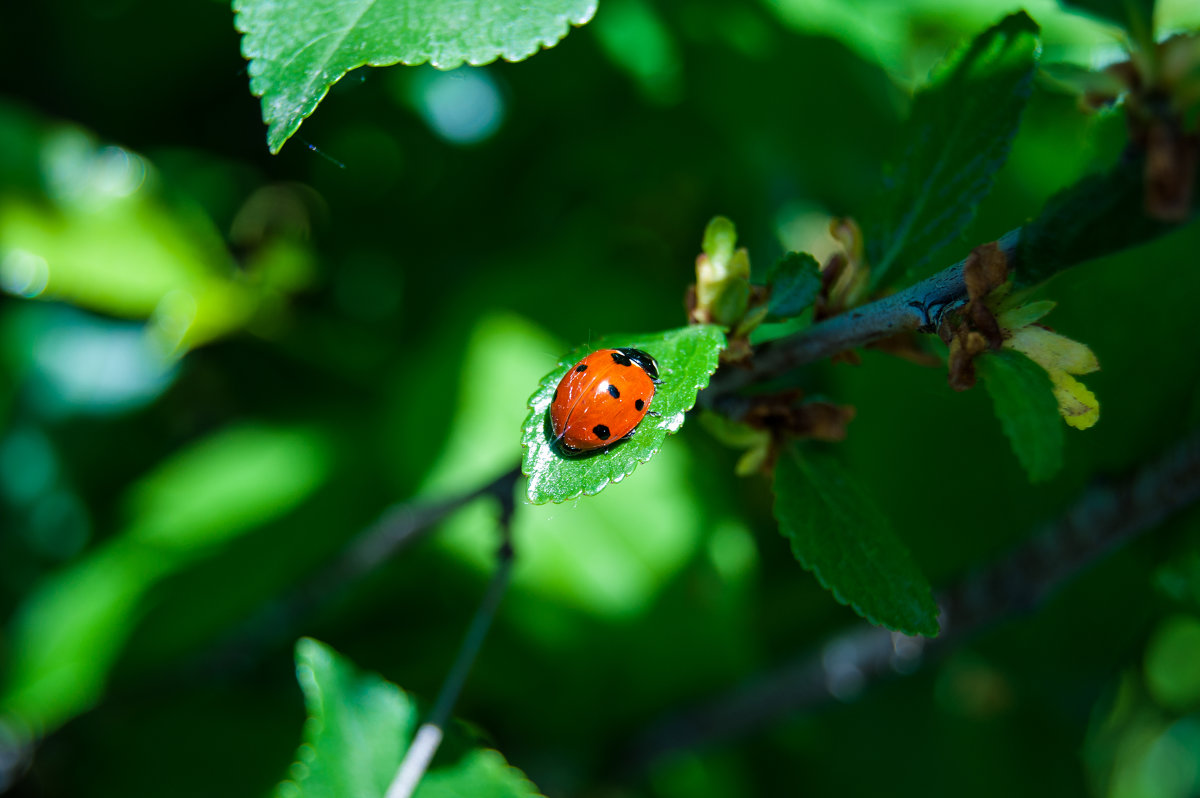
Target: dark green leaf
(686, 357)
(957, 137)
(1100, 215)
(358, 729)
(299, 48)
(840, 534)
(795, 281)
(1028, 412)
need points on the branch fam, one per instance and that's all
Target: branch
(397, 528)
(1103, 518)
(1102, 214)
(920, 307)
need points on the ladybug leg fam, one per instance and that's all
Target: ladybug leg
(622, 439)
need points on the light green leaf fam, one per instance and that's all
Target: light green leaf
(838, 532)
(225, 485)
(957, 137)
(69, 632)
(1135, 16)
(358, 729)
(102, 235)
(1017, 315)
(299, 48)
(795, 281)
(480, 773)
(1024, 398)
(686, 357)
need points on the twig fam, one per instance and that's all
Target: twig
(919, 307)
(1104, 517)
(396, 529)
(429, 736)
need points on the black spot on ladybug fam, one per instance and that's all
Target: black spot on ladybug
(582, 367)
(621, 359)
(639, 404)
(601, 432)
(613, 392)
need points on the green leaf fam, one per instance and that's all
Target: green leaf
(686, 357)
(1028, 412)
(1135, 16)
(480, 773)
(358, 729)
(838, 532)
(299, 48)
(957, 137)
(795, 281)
(1100, 215)
(1170, 667)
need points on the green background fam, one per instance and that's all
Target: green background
(378, 318)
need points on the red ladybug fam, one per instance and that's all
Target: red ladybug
(602, 399)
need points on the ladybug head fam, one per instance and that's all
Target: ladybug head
(643, 359)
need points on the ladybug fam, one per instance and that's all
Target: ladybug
(602, 399)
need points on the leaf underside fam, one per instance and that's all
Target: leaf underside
(956, 138)
(686, 357)
(299, 48)
(1024, 400)
(838, 532)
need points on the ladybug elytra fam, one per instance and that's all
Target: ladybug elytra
(602, 399)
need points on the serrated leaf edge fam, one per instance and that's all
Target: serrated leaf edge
(815, 570)
(884, 261)
(252, 40)
(556, 375)
(869, 617)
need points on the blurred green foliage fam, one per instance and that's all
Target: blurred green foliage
(218, 366)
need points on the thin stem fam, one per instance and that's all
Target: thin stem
(429, 735)
(397, 528)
